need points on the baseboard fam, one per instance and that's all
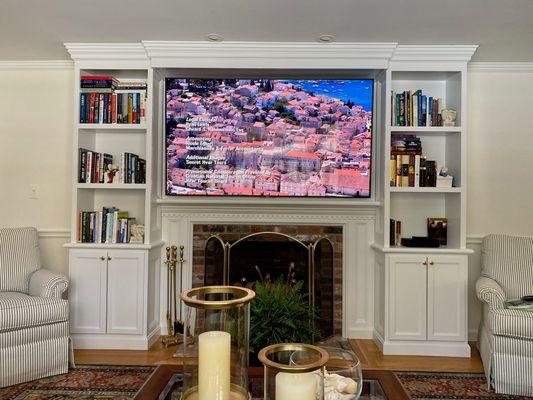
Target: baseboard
(154, 336)
(112, 342)
(378, 339)
(423, 348)
(359, 333)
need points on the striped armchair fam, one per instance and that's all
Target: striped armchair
(33, 317)
(506, 336)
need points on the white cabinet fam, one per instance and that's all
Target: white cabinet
(108, 298)
(425, 312)
(88, 291)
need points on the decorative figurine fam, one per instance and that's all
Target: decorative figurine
(137, 233)
(448, 117)
(112, 173)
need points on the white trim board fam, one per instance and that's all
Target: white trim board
(500, 67)
(37, 64)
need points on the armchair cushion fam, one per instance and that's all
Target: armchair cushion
(18, 310)
(490, 292)
(509, 261)
(19, 258)
(45, 283)
(511, 323)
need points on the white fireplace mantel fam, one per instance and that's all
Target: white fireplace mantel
(358, 258)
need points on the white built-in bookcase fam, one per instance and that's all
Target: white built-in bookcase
(446, 145)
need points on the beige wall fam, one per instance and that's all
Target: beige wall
(35, 147)
(500, 163)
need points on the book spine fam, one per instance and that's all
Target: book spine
(399, 170)
(417, 171)
(405, 171)
(88, 167)
(91, 110)
(113, 108)
(402, 109)
(130, 108)
(422, 171)
(411, 171)
(392, 170)
(398, 233)
(101, 109)
(81, 166)
(392, 232)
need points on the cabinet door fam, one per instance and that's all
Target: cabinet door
(407, 297)
(87, 292)
(125, 291)
(447, 291)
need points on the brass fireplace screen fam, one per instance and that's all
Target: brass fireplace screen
(273, 254)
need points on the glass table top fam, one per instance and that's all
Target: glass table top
(372, 390)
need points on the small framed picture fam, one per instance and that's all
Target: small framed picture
(438, 229)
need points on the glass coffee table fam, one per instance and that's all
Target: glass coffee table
(165, 384)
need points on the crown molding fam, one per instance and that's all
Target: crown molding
(196, 54)
(43, 64)
(442, 53)
(500, 67)
(106, 51)
(264, 55)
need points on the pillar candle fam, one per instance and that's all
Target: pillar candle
(214, 355)
(295, 386)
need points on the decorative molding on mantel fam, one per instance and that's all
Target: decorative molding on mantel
(500, 67)
(264, 55)
(434, 53)
(190, 54)
(40, 64)
(274, 214)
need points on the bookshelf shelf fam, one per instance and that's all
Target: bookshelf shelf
(425, 190)
(112, 127)
(421, 250)
(110, 186)
(426, 129)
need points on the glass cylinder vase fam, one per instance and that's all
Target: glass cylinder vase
(293, 371)
(216, 346)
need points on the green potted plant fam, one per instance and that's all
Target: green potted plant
(280, 313)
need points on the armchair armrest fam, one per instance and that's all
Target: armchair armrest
(489, 291)
(45, 283)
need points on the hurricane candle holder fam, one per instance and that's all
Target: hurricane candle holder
(293, 371)
(217, 336)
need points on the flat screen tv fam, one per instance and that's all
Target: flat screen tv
(268, 137)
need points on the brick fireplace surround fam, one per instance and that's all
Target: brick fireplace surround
(304, 233)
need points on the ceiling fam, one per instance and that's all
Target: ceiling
(37, 29)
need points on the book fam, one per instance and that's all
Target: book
(392, 170)
(392, 232)
(405, 171)
(438, 229)
(411, 171)
(398, 234)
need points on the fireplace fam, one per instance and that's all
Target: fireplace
(243, 254)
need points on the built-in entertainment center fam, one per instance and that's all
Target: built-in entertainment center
(368, 139)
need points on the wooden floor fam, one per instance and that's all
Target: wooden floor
(367, 351)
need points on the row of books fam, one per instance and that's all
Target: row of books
(105, 100)
(395, 233)
(133, 168)
(97, 167)
(415, 109)
(107, 226)
(93, 166)
(408, 168)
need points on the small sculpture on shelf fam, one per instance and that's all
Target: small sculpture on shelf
(137, 233)
(112, 173)
(448, 117)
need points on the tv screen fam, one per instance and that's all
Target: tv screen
(268, 137)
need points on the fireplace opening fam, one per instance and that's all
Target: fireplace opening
(313, 258)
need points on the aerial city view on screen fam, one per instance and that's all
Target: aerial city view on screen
(263, 137)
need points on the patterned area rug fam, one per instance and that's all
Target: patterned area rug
(433, 385)
(83, 383)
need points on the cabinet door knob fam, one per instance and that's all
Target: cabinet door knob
(108, 258)
(425, 263)
(102, 258)
(431, 263)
